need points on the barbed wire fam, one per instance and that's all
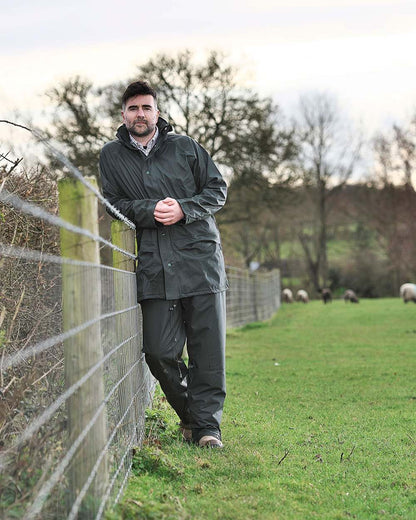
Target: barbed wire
(73, 169)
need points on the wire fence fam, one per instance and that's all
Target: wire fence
(253, 296)
(74, 383)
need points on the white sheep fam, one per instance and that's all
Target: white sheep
(287, 296)
(408, 292)
(302, 296)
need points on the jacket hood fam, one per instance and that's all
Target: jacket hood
(123, 134)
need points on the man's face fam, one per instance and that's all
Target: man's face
(140, 115)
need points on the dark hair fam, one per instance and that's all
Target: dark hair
(138, 88)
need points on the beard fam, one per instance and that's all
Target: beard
(146, 130)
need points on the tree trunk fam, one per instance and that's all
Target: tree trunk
(313, 266)
(323, 256)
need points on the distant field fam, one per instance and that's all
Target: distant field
(320, 423)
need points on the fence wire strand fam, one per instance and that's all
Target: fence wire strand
(35, 211)
(34, 350)
(73, 169)
(40, 256)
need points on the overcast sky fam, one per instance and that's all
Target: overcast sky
(361, 51)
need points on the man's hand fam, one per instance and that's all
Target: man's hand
(168, 211)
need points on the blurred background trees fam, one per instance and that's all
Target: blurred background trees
(328, 155)
(301, 196)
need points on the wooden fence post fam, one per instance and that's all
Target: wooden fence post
(81, 302)
(127, 324)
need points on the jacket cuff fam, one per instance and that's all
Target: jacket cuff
(144, 214)
(188, 210)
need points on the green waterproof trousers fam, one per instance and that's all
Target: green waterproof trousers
(196, 391)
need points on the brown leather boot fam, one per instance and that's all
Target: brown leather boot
(186, 432)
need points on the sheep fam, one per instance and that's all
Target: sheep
(408, 292)
(326, 295)
(350, 296)
(287, 296)
(302, 296)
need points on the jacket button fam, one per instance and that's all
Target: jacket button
(147, 173)
(169, 264)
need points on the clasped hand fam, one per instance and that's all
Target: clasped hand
(168, 211)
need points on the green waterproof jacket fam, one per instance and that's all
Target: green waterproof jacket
(183, 259)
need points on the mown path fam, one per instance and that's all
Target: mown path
(320, 423)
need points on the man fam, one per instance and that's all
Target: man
(168, 185)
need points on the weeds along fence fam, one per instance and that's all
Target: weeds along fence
(74, 383)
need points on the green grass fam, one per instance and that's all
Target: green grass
(319, 423)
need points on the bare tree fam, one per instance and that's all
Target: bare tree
(395, 154)
(391, 189)
(80, 124)
(405, 140)
(205, 100)
(329, 154)
(383, 164)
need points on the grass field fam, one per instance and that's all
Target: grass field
(319, 423)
